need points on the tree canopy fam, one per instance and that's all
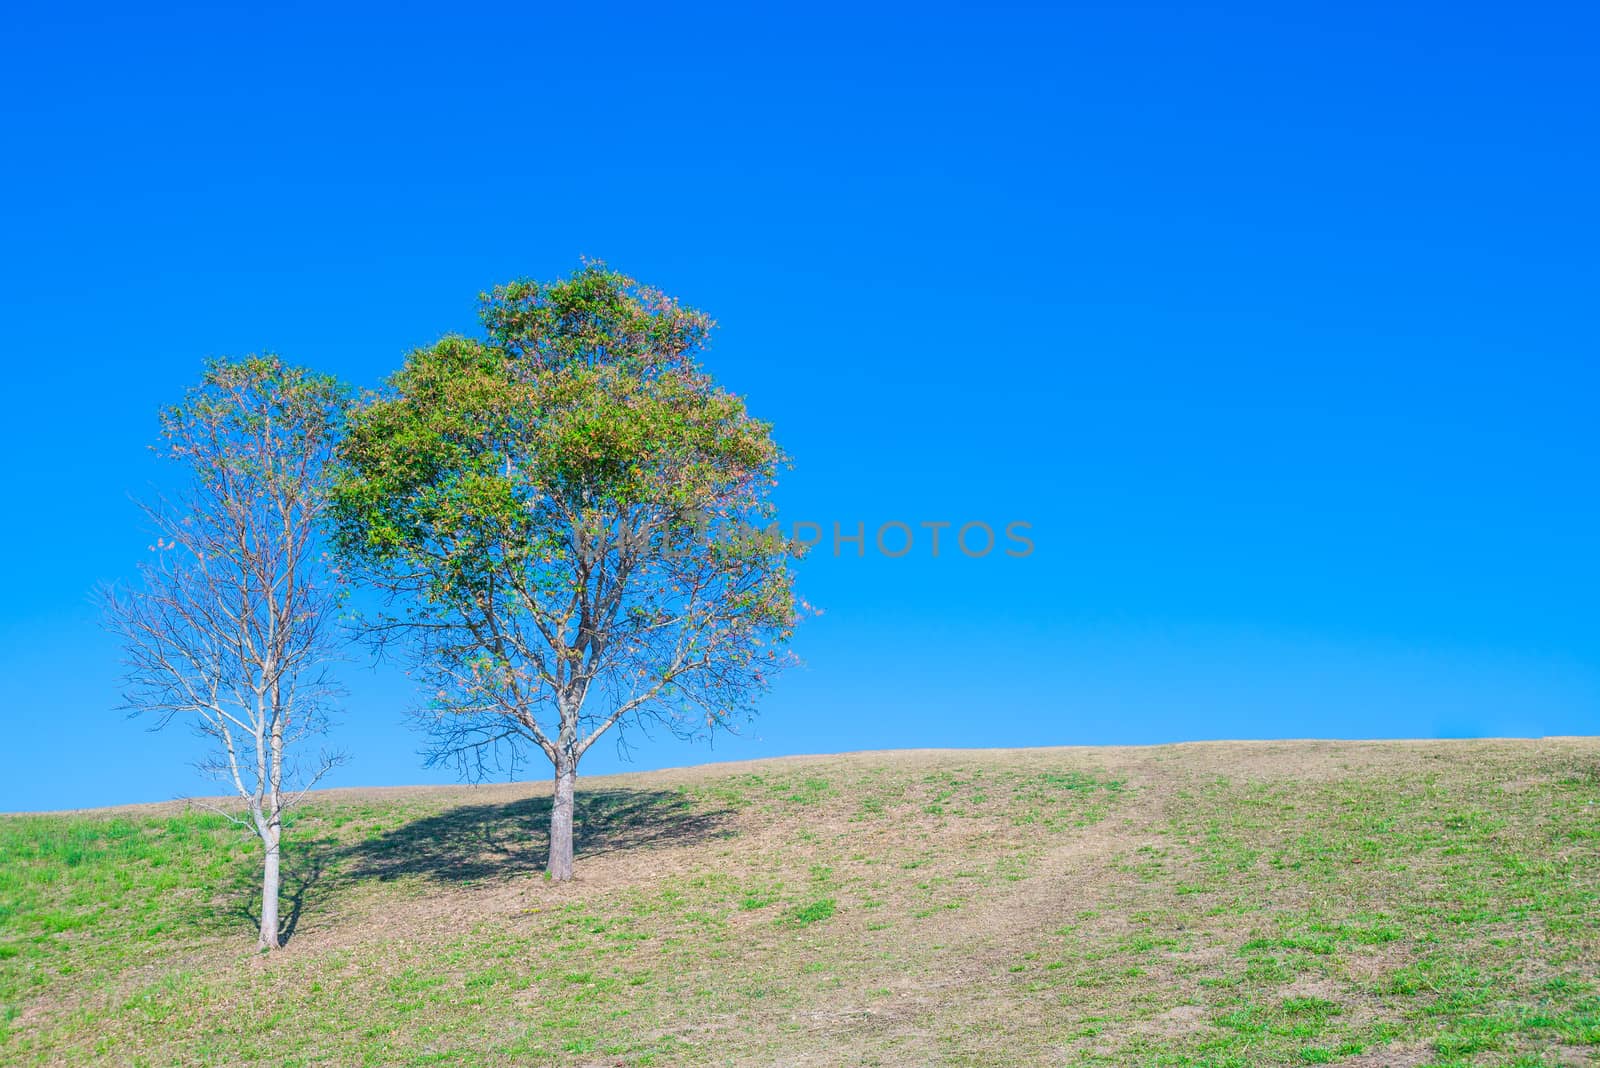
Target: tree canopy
(568, 516)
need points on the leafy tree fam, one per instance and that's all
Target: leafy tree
(229, 627)
(565, 518)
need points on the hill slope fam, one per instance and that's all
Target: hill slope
(1384, 903)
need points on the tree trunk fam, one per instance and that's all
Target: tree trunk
(560, 866)
(269, 887)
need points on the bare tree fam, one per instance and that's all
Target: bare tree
(230, 627)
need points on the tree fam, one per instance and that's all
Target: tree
(565, 520)
(229, 628)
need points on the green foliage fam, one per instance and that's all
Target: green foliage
(571, 500)
(256, 432)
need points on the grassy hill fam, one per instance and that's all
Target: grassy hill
(1395, 903)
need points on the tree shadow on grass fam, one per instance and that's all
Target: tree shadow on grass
(474, 842)
(304, 863)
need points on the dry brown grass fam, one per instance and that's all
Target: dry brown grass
(1207, 904)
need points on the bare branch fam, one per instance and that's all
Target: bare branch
(229, 626)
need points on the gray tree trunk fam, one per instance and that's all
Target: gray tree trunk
(270, 879)
(560, 866)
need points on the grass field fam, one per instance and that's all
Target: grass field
(1427, 903)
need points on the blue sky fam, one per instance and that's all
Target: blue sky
(1278, 327)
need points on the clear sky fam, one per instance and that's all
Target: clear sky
(1279, 326)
